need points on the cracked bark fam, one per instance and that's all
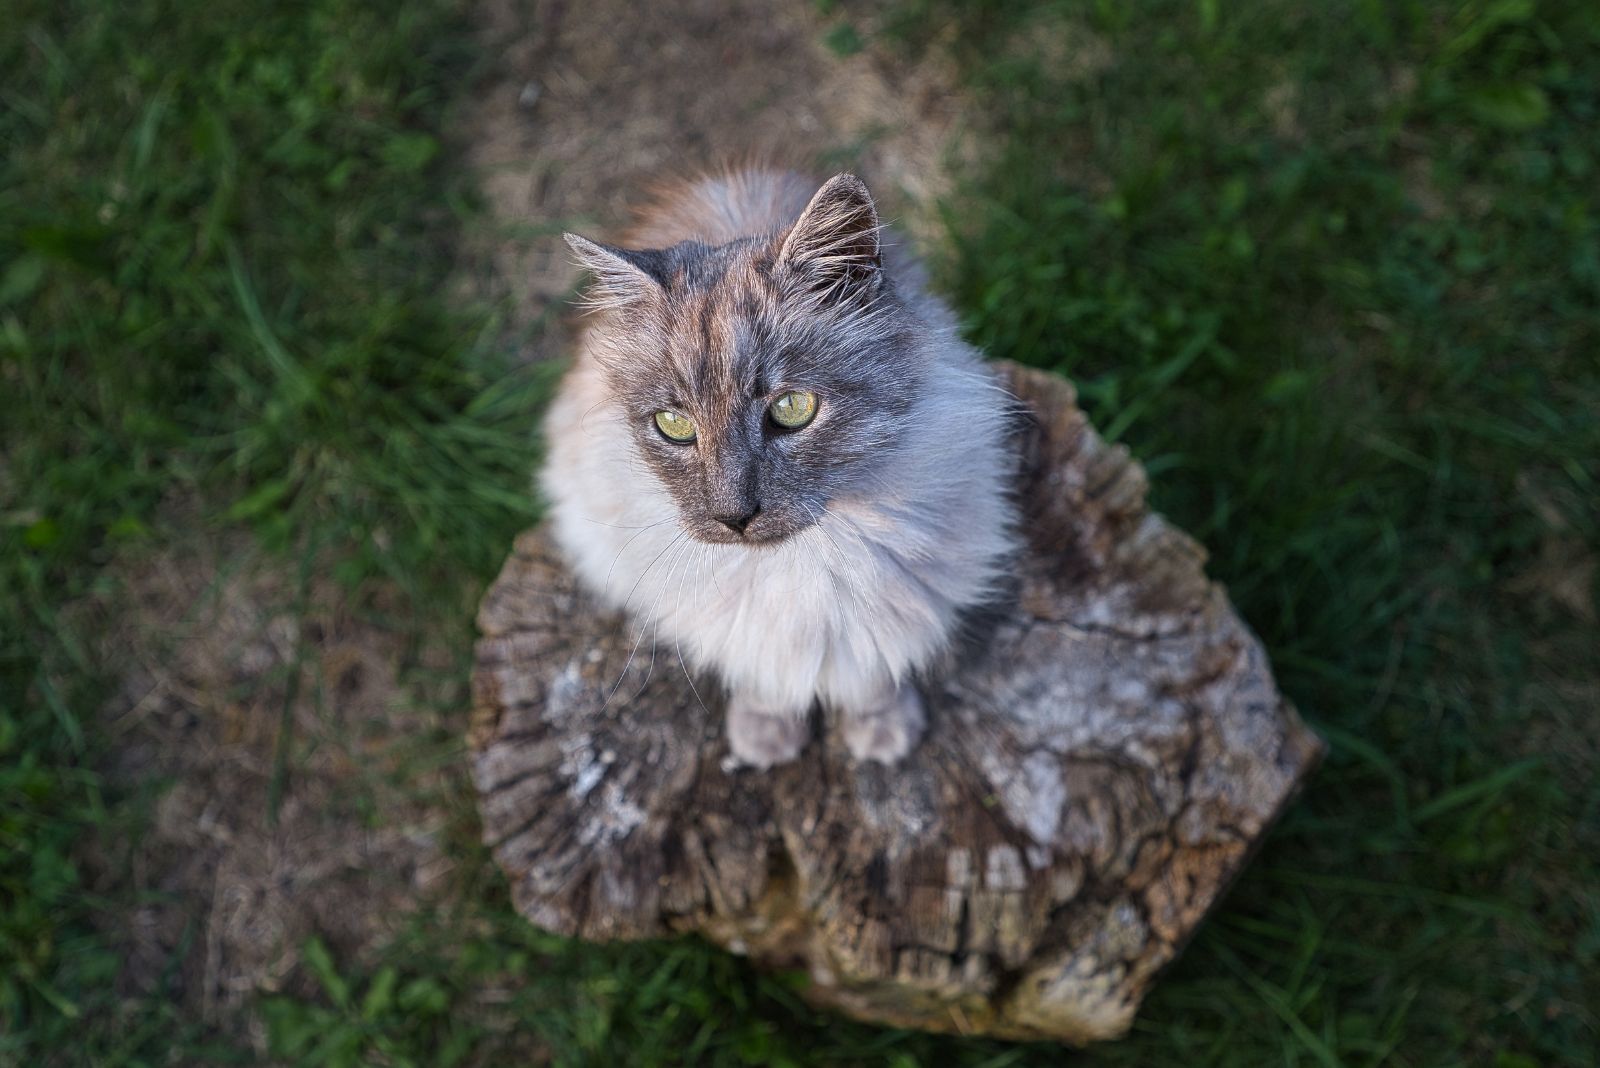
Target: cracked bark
(1102, 758)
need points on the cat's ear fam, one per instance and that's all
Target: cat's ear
(835, 243)
(621, 276)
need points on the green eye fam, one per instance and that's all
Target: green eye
(675, 426)
(794, 409)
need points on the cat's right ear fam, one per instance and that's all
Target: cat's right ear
(621, 276)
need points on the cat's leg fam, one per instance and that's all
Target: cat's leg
(761, 736)
(885, 727)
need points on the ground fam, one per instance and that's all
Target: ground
(591, 107)
(279, 301)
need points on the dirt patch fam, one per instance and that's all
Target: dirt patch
(280, 731)
(596, 102)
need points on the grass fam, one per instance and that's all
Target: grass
(1332, 271)
(224, 236)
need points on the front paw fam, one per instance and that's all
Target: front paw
(886, 732)
(761, 739)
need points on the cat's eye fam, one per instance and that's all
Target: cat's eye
(675, 426)
(794, 409)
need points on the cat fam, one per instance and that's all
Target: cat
(775, 453)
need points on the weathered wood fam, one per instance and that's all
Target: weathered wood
(1099, 764)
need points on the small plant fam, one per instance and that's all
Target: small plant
(389, 1018)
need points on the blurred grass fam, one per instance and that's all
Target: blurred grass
(1332, 271)
(226, 234)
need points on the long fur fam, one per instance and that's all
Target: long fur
(894, 502)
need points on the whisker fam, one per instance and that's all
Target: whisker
(655, 632)
(848, 527)
(625, 526)
(606, 586)
(842, 574)
(677, 644)
(707, 561)
(583, 420)
(637, 641)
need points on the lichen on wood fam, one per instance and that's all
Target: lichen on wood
(1103, 754)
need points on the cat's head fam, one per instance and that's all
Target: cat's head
(760, 379)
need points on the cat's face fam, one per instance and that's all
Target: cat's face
(760, 379)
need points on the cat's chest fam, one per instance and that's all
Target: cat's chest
(832, 613)
(789, 592)
(810, 589)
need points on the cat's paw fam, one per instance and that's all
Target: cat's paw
(761, 739)
(887, 732)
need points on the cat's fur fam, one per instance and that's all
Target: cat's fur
(874, 527)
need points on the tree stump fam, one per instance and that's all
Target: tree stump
(1100, 762)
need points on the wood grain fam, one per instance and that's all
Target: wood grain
(1104, 752)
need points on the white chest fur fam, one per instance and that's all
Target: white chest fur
(864, 597)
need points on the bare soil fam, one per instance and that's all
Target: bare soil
(596, 103)
(282, 731)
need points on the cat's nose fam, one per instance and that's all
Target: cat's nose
(737, 523)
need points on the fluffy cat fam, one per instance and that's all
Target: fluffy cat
(776, 455)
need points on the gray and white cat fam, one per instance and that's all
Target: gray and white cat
(775, 453)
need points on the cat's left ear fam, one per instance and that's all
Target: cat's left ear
(835, 243)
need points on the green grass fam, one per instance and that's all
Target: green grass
(224, 237)
(1334, 272)
(1331, 270)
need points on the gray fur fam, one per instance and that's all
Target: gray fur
(874, 527)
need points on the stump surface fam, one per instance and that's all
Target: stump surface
(1098, 766)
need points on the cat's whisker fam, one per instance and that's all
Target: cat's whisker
(709, 563)
(655, 627)
(640, 639)
(671, 547)
(682, 558)
(843, 572)
(683, 573)
(606, 586)
(818, 514)
(625, 526)
(583, 420)
(690, 680)
(868, 549)
(677, 643)
(849, 528)
(655, 636)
